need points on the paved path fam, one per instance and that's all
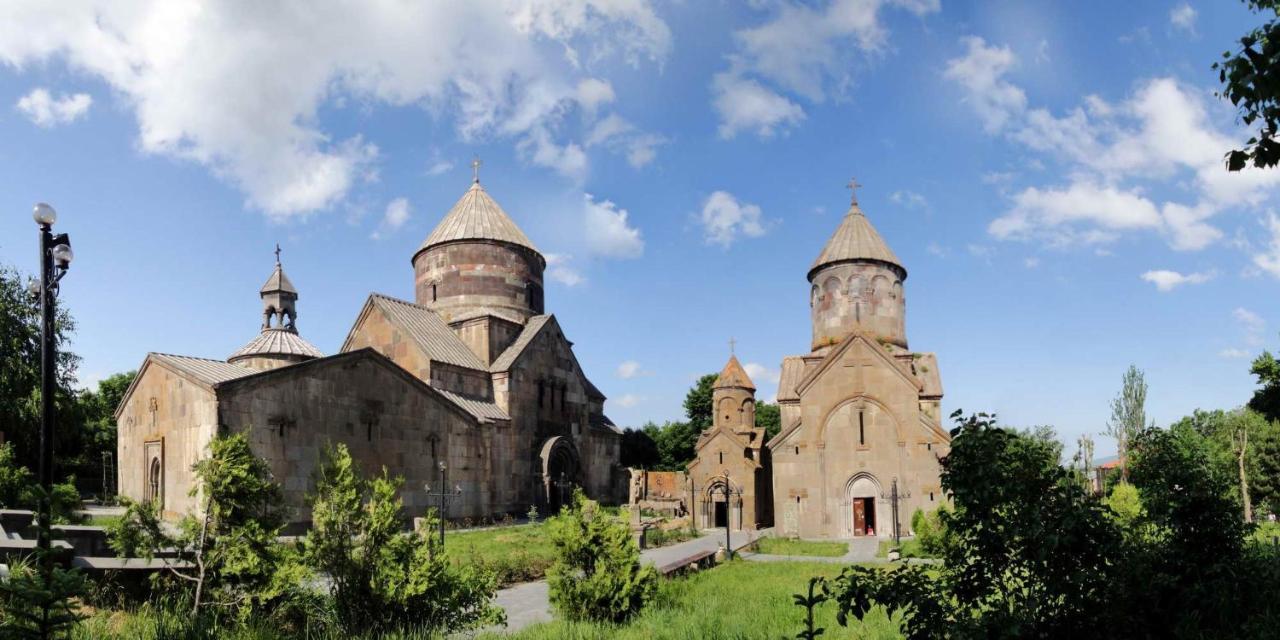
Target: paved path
(860, 550)
(528, 604)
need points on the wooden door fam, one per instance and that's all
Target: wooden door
(859, 517)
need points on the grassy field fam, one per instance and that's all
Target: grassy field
(910, 548)
(517, 554)
(738, 600)
(788, 547)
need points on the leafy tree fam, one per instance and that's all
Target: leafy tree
(96, 412)
(675, 442)
(1237, 443)
(1250, 77)
(1267, 482)
(1125, 505)
(698, 407)
(1128, 415)
(639, 450)
(1267, 399)
(385, 578)
(597, 575)
(16, 481)
(769, 416)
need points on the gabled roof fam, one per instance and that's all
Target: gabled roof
(476, 216)
(733, 375)
(710, 434)
(427, 330)
(209, 372)
(854, 240)
(836, 354)
(527, 334)
(278, 282)
(277, 341)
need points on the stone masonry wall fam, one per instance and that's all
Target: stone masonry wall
(477, 277)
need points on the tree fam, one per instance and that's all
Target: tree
(1128, 415)
(1236, 443)
(1083, 459)
(385, 578)
(1267, 483)
(698, 407)
(769, 416)
(597, 574)
(38, 597)
(1251, 81)
(1266, 400)
(675, 442)
(97, 415)
(639, 450)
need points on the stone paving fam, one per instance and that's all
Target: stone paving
(528, 604)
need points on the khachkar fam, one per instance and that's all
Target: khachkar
(860, 410)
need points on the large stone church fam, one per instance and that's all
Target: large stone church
(472, 380)
(860, 432)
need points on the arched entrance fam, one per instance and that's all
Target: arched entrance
(719, 509)
(561, 472)
(153, 472)
(862, 496)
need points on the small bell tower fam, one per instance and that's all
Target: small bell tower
(279, 300)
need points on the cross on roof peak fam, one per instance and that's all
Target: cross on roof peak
(853, 186)
(277, 252)
(475, 169)
(732, 344)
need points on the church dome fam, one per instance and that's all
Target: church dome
(856, 285)
(733, 375)
(478, 263)
(279, 343)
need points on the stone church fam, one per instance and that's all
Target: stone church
(473, 380)
(860, 411)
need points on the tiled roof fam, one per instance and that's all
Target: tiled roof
(478, 408)
(508, 357)
(855, 239)
(209, 372)
(792, 373)
(733, 375)
(429, 331)
(276, 341)
(278, 282)
(476, 216)
(602, 421)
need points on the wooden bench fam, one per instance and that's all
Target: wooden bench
(698, 560)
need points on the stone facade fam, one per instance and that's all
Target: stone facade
(473, 375)
(731, 453)
(860, 413)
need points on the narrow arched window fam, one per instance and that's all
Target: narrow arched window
(721, 457)
(862, 430)
(433, 292)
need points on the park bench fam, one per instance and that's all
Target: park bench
(698, 560)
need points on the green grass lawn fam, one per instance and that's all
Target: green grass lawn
(103, 521)
(518, 553)
(788, 547)
(910, 548)
(737, 600)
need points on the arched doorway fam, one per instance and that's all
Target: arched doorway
(862, 497)
(719, 510)
(561, 473)
(153, 472)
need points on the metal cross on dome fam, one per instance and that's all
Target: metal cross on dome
(475, 169)
(277, 252)
(853, 189)
(732, 343)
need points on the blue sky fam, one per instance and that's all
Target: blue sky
(1050, 174)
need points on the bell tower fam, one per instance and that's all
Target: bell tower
(279, 343)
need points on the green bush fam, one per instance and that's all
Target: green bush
(385, 578)
(930, 533)
(597, 575)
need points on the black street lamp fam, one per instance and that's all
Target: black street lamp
(55, 259)
(445, 496)
(727, 490)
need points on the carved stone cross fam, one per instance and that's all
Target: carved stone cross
(859, 363)
(853, 189)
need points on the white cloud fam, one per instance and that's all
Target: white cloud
(909, 199)
(630, 369)
(41, 108)
(560, 270)
(800, 49)
(1031, 263)
(1114, 155)
(628, 400)
(1166, 280)
(593, 92)
(1183, 17)
(1268, 259)
(1252, 324)
(439, 167)
(980, 71)
(762, 374)
(937, 250)
(619, 135)
(1234, 353)
(607, 231)
(724, 219)
(396, 214)
(240, 91)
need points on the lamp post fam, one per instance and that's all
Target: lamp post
(445, 495)
(894, 497)
(55, 259)
(727, 490)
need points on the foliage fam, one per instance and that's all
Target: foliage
(38, 603)
(1251, 81)
(675, 442)
(1128, 415)
(810, 601)
(95, 410)
(639, 450)
(597, 575)
(1266, 400)
(1219, 432)
(511, 554)
(657, 537)
(16, 481)
(385, 578)
(1125, 505)
(698, 407)
(930, 531)
(788, 547)
(769, 416)
(1046, 434)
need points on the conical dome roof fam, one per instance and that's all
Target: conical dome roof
(733, 375)
(278, 282)
(477, 216)
(277, 342)
(855, 239)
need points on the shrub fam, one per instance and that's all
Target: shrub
(597, 575)
(930, 532)
(385, 578)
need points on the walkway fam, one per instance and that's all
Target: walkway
(861, 550)
(528, 604)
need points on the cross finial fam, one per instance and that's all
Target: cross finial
(853, 189)
(732, 343)
(277, 252)
(475, 169)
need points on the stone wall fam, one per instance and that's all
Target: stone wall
(375, 331)
(174, 415)
(866, 296)
(461, 280)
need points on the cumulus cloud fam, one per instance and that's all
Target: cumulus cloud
(800, 49)
(396, 214)
(240, 91)
(762, 374)
(630, 369)
(1183, 18)
(628, 400)
(909, 199)
(42, 109)
(1234, 353)
(439, 167)
(1251, 323)
(1166, 280)
(621, 136)
(1115, 154)
(607, 231)
(1268, 259)
(560, 269)
(724, 219)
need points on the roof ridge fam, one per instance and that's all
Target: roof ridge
(178, 355)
